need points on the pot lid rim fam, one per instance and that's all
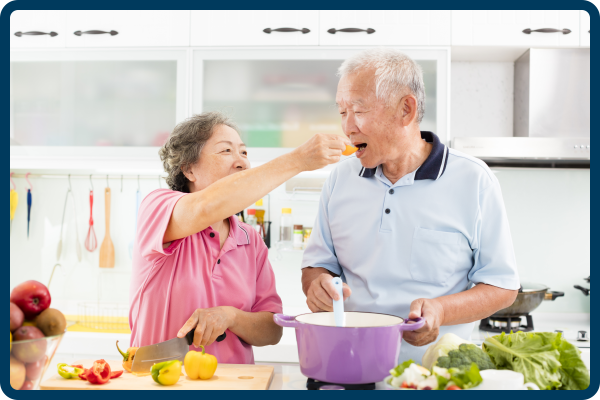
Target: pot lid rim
(403, 320)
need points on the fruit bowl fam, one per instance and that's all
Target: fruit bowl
(29, 360)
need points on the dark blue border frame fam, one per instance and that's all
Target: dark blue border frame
(266, 5)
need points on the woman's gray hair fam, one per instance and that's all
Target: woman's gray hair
(394, 73)
(183, 147)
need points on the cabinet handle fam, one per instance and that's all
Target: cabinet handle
(351, 30)
(547, 30)
(79, 33)
(35, 33)
(269, 30)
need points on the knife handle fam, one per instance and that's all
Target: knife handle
(190, 337)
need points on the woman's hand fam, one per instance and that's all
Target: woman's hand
(319, 151)
(209, 324)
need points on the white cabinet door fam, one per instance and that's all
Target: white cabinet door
(255, 28)
(37, 28)
(385, 27)
(584, 23)
(505, 28)
(127, 28)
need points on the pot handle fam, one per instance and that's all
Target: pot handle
(418, 323)
(553, 295)
(286, 321)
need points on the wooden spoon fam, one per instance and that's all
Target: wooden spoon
(107, 250)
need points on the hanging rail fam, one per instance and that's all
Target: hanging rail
(88, 176)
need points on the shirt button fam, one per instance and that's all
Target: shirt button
(219, 261)
(391, 191)
(212, 235)
(387, 210)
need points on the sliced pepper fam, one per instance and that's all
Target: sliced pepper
(128, 357)
(166, 373)
(115, 374)
(69, 371)
(200, 365)
(99, 373)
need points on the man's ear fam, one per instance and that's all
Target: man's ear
(408, 109)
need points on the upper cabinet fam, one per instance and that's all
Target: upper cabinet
(385, 27)
(33, 28)
(255, 28)
(584, 22)
(516, 28)
(127, 28)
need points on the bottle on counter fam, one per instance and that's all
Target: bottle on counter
(251, 218)
(298, 238)
(285, 229)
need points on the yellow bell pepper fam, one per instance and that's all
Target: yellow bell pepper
(199, 365)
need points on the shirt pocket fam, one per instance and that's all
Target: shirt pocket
(434, 255)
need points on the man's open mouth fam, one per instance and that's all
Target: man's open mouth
(361, 148)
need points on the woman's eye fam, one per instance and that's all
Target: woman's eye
(227, 150)
(245, 153)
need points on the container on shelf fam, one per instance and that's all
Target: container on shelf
(251, 218)
(307, 232)
(298, 237)
(285, 229)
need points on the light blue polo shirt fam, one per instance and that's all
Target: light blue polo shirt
(435, 232)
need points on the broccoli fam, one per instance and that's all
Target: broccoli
(464, 356)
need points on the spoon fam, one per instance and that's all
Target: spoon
(338, 305)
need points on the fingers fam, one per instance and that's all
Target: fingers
(207, 334)
(199, 333)
(415, 309)
(188, 326)
(420, 339)
(326, 282)
(346, 291)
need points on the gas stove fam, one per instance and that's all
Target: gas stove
(507, 324)
(313, 384)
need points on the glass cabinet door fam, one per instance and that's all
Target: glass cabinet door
(281, 98)
(96, 98)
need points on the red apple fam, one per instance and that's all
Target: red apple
(17, 373)
(16, 317)
(32, 297)
(28, 385)
(34, 369)
(31, 350)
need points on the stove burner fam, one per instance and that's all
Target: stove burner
(506, 324)
(312, 384)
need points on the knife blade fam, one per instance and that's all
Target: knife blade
(173, 349)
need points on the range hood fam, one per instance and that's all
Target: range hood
(551, 113)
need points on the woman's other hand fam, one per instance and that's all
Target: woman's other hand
(209, 324)
(319, 151)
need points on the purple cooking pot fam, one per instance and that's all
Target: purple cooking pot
(362, 351)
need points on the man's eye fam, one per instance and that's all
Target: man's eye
(245, 153)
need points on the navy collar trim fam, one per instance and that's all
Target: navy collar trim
(433, 167)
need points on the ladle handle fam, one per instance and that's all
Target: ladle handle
(338, 305)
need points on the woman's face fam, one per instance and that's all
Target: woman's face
(222, 155)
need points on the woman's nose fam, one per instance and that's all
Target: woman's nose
(240, 162)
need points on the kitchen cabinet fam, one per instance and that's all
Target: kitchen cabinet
(127, 28)
(38, 28)
(584, 31)
(385, 27)
(505, 28)
(254, 28)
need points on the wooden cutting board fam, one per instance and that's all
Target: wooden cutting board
(227, 377)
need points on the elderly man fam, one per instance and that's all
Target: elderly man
(413, 227)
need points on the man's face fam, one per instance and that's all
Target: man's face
(367, 121)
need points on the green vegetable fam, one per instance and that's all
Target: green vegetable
(442, 382)
(544, 358)
(447, 343)
(399, 369)
(466, 377)
(464, 356)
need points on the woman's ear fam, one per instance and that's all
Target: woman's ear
(187, 171)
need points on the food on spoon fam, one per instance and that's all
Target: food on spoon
(447, 343)
(544, 358)
(200, 365)
(464, 356)
(30, 351)
(349, 150)
(16, 317)
(51, 322)
(32, 297)
(128, 357)
(17, 373)
(166, 373)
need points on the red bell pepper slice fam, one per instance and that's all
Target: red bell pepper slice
(83, 374)
(116, 374)
(99, 373)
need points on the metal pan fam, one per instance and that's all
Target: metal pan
(529, 298)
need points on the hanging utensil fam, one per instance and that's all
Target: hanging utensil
(14, 200)
(90, 240)
(107, 250)
(29, 201)
(138, 199)
(62, 225)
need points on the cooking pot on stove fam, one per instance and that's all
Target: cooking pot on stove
(362, 351)
(529, 298)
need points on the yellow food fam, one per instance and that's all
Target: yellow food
(199, 365)
(349, 150)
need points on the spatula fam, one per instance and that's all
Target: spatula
(107, 250)
(338, 305)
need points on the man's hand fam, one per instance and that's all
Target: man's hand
(433, 312)
(321, 293)
(209, 324)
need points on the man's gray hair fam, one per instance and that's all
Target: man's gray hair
(395, 72)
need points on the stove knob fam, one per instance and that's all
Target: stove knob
(582, 336)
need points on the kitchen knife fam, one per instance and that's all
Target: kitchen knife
(174, 349)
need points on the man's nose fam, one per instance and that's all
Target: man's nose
(349, 124)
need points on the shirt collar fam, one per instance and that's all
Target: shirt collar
(433, 167)
(241, 234)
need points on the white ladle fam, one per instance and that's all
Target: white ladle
(338, 305)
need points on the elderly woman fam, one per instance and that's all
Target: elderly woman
(195, 266)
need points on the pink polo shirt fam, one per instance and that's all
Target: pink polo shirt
(168, 285)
